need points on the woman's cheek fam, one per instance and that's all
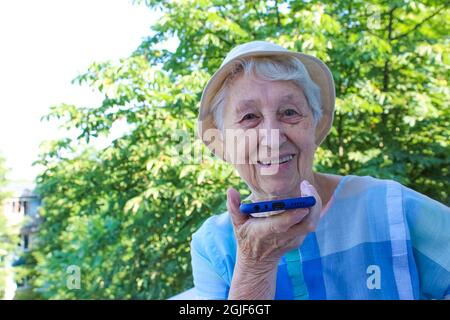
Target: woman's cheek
(306, 159)
(248, 173)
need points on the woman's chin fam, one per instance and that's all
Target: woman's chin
(278, 190)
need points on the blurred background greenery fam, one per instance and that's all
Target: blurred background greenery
(125, 214)
(8, 237)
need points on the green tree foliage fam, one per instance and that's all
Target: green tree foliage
(125, 214)
(3, 230)
(8, 233)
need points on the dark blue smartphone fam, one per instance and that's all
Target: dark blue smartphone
(276, 205)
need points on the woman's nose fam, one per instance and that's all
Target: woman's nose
(271, 134)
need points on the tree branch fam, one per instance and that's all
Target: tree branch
(278, 14)
(257, 12)
(419, 24)
(386, 64)
(386, 77)
(224, 40)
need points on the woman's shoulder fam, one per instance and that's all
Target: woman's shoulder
(214, 242)
(375, 191)
(217, 228)
(350, 185)
(364, 183)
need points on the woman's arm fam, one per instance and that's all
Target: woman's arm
(429, 226)
(207, 268)
(253, 281)
(262, 242)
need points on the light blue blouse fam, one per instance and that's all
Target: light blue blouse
(377, 240)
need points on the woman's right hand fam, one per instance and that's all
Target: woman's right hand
(262, 242)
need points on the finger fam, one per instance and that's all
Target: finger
(307, 190)
(301, 229)
(309, 224)
(283, 221)
(233, 203)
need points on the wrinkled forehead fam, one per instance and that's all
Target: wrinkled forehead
(249, 91)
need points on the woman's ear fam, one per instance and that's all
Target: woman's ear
(213, 139)
(323, 127)
(211, 136)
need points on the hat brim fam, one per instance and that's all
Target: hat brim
(318, 71)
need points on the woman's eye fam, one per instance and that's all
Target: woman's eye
(290, 113)
(249, 116)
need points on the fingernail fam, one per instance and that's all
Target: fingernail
(304, 187)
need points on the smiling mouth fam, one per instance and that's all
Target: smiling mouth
(281, 160)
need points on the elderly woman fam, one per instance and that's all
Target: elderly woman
(365, 238)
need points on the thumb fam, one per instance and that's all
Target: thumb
(308, 190)
(233, 203)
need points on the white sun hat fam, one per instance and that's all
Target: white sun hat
(317, 70)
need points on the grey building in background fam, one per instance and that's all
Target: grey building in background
(21, 208)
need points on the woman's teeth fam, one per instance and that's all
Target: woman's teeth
(279, 161)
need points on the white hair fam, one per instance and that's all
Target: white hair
(270, 69)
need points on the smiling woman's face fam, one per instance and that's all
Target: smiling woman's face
(273, 168)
